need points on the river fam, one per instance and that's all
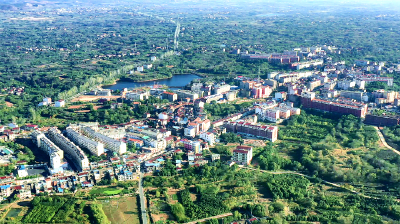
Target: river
(175, 81)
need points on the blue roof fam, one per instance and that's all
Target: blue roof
(7, 151)
(160, 160)
(22, 167)
(60, 189)
(4, 187)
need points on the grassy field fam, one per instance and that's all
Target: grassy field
(122, 210)
(106, 191)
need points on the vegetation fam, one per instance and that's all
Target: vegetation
(222, 110)
(54, 209)
(219, 188)
(393, 135)
(98, 214)
(231, 138)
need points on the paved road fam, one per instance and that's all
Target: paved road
(382, 138)
(213, 217)
(142, 203)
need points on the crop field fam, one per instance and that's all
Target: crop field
(122, 210)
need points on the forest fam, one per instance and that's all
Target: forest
(67, 53)
(217, 188)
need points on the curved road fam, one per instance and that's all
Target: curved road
(382, 138)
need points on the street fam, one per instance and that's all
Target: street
(142, 203)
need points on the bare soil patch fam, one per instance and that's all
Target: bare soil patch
(86, 98)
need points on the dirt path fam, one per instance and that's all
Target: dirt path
(213, 217)
(384, 141)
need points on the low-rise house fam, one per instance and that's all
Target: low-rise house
(115, 160)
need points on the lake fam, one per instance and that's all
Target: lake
(175, 81)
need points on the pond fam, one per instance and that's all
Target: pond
(14, 212)
(175, 82)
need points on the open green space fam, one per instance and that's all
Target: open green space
(99, 191)
(121, 210)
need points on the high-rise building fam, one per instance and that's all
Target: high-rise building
(52, 150)
(72, 151)
(109, 143)
(96, 148)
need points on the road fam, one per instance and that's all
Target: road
(382, 138)
(213, 217)
(142, 203)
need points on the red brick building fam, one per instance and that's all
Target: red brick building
(338, 105)
(263, 131)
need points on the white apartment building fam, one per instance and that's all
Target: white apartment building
(96, 148)
(153, 133)
(55, 161)
(208, 137)
(346, 84)
(115, 133)
(72, 151)
(190, 131)
(55, 153)
(160, 144)
(104, 92)
(219, 89)
(109, 143)
(138, 95)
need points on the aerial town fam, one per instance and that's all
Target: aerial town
(211, 111)
(183, 126)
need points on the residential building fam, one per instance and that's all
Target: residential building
(313, 84)
(104, 92)
(46, 145)
(153, 133)
(170, 96)
(220, 89)
(73, 152)
(183, 94)
(346, 84)
(190, 131)
(194, 146)
(60, 103)
(262, 131)
(261, 92)
(96, 148)
(208, 137)
(243, 155)
(138, 95)
(231, 95)
(336, 105)
(215, 157)
(138, 143)
(109, 143)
